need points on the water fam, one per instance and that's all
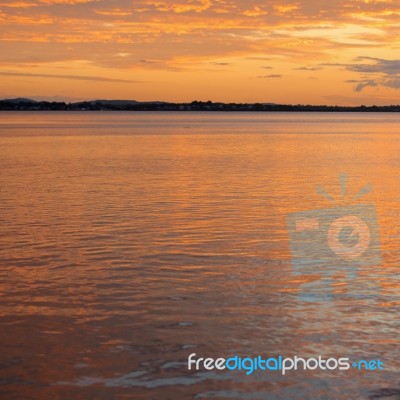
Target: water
(130, 240)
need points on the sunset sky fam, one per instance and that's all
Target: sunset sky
(308, 51)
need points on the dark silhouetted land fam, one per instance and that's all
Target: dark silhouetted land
(22, 104)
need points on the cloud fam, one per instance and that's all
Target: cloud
(74, 77)
(393, 83)
(374, 72)
(317, 68)
(170, 39)
(270, 76)
(376, 65)
(360, 85)
(165, 30)
(285, 9)
(257, 11)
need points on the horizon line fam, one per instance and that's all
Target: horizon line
(19, 100)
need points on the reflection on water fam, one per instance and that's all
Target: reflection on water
(130, 240)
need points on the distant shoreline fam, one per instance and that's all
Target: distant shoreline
(21, 104)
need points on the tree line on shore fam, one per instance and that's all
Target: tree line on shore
(131, 105)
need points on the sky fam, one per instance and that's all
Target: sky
(343, 52)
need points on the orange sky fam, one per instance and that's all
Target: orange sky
(307, 51)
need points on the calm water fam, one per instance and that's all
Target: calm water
(130, 240)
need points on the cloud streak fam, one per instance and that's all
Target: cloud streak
(270, 76)
(318, 68)
(73, 77)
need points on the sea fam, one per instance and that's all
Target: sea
(132, 240)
